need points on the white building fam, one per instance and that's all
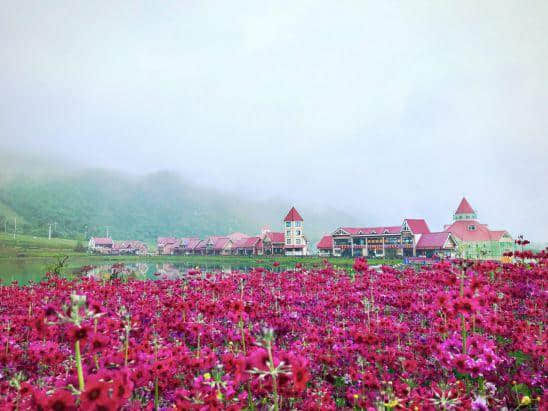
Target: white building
(295, 241)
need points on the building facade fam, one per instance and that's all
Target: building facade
(474, 239)
(295, 243)
(410, 239)
(100, 245)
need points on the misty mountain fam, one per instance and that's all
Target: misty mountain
(140, 207)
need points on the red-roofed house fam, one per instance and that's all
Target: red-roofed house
(161, 243)
(216, 245)
(474, 239)
(325, 246)
(377, 242)
(248, 246)
(273, 242)
(295, 243)
(441, 244)
(381, 241)
(101, 245)
(173, 248)
(189, 244)
(130, 248)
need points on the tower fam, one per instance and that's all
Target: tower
(295, 241)
(464, 211)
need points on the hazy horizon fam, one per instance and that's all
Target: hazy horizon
(380, 110)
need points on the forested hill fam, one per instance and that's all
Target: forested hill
(139, 207)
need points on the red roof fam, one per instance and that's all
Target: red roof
(433, 240)
(201, 245)
(461, 229)
(275, 237)
(220, 243)
(325, 243)
(249, 242)
(190, 243)
(166, 240)
(464, 207)
(496, 235)
(293, 215)
(372, 230)
(102, 241)
(417, 225)
(237, 236)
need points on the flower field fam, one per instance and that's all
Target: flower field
(457, 335)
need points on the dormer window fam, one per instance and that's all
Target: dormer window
(471, 227)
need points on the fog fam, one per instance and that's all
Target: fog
(383, 110)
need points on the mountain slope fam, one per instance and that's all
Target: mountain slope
(89, 201)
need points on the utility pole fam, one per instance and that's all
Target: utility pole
(14, 228)
(49, 232)
(107, 231)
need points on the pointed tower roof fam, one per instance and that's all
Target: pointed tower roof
(464, 207)
(293, 215)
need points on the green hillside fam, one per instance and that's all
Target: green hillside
(88, 201)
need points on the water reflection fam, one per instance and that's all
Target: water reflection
(168, 271)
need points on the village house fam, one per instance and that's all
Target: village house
(188, 245)
(397, 241)
(273, 242)
(248, 246)
(216, 245)
(130, 248)
(441, 244)
(167, 245)
(295, 243)
(325, 246)
(474, 239)
(100, 245)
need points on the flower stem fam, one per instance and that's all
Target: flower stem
(274, 379)
(156, 395)
(79, 369)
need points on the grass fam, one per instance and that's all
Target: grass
(30, 246)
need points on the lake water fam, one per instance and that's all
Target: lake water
(33, 269)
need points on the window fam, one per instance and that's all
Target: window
(298, 232)
(288, 241)
(287, 233)
(297, 223)
(298, 241)
(288, 223)
(471, 227)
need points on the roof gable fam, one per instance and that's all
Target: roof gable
(480, 232)
(275, 237)
(102, 241)
(293, 215)
(434, 240)
(325, 242)
(464, 207)
(417, 225)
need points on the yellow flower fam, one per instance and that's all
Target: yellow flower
(525, 400)
(356, 396)
(392, 403)
(207, 376)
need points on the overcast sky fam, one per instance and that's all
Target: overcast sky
(384, 109)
